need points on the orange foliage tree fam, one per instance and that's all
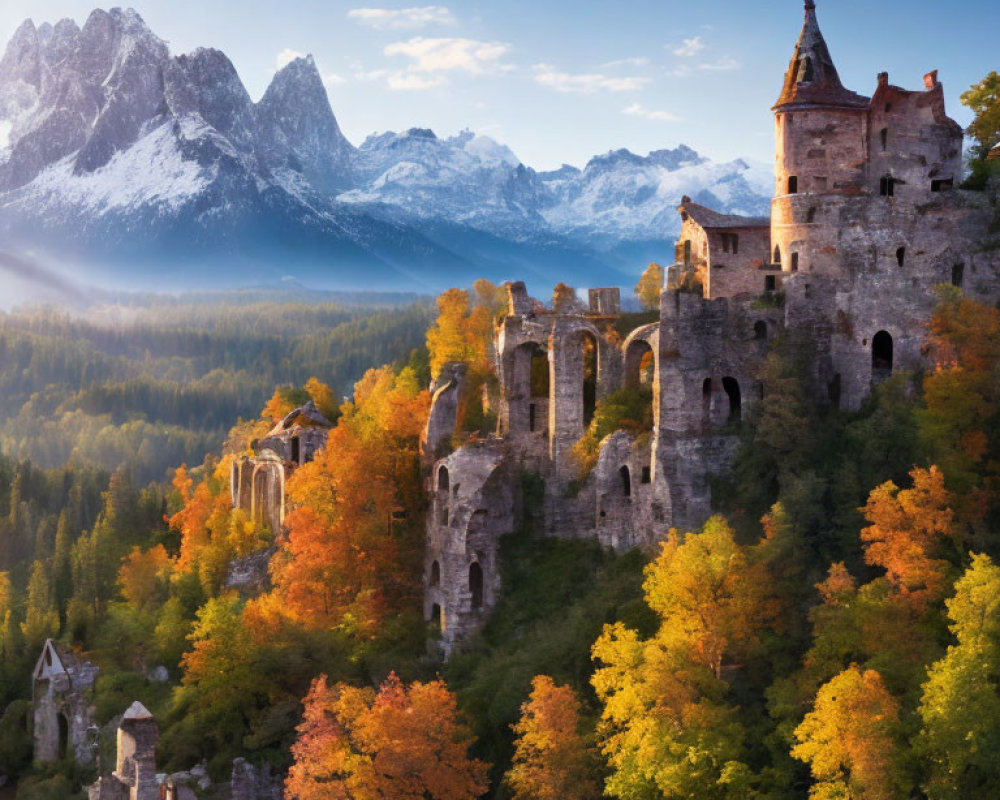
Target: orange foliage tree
(908, 528)
(850, 739)
(352, 554)
(403, 743)
(552, 759)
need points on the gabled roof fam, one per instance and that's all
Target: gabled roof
(307, 416)
(812, 78)
(137, 711)
(709, 219)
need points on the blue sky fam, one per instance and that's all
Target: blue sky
(560, 81)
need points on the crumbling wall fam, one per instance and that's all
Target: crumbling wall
(475, 502)
(62, 694)
(443, 416)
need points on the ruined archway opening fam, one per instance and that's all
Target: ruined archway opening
(706, 400)
(435, 574)
(296, 449)
(626, 481)
(63, 735)
(732, 389)
(760, 330)
(476, 584)
(443, 480)
(882, 355)
(539, 372)
(436, 618)
(639, 364)
(958, 275)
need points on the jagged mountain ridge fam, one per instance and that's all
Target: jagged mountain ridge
(114, 151)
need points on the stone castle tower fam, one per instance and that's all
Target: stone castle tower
(865, 221)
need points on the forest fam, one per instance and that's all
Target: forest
(832, 633)
(152, 382)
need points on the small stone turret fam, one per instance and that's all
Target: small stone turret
(134, 777)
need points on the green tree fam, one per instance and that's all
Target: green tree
(960, 705)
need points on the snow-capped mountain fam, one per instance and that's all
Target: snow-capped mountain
(114, 151)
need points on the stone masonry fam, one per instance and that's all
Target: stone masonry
(866, 220)
(62, 689)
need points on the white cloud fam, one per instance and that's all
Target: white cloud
(447, 55)
(680, 71)
(396, 18)
(332, 79)
(689, 47)
(585, 83)
(412, 81)
(725, 64)
(640, 61)
(287, 56)
(638, 110)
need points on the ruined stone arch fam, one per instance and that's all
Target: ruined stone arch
(476, 585)
(882, 355)
(435, 579)
(527, 386)
(640, 361)
(626, 480)
(760, 330)
(731, 387)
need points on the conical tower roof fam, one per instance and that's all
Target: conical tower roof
(812, 79)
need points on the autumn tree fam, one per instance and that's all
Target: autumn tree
(668, 725)
(960, 420)
(908, 529)
(983, 99)
(448, 338)
(960, 705)
(851, 739)
(564, 299)
(401, 743)
(650, 286)
(144, 578)
(353, 546)
(552, 757)
(284, 401)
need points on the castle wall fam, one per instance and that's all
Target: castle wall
(475, 502)
(913, 140)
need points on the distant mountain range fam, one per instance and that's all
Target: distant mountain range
(146, 168)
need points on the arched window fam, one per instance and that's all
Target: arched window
(811, 214)
(706, 398)
(760, 330)
(626, 479)
(882, 354)
(443, 479)
(732, 389)
(296, 449)
(887, 186)
(436, 619)
(435, 574)
(777, 254)
(639, 364)
(884, 137)
(957, 274)
(63, 735)
(793, 184)
(900, 255)
(476, 584)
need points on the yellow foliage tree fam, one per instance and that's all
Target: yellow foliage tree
(850, 739)
(650, 286)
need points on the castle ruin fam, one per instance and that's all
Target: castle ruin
(866, 219)
(257, 482)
